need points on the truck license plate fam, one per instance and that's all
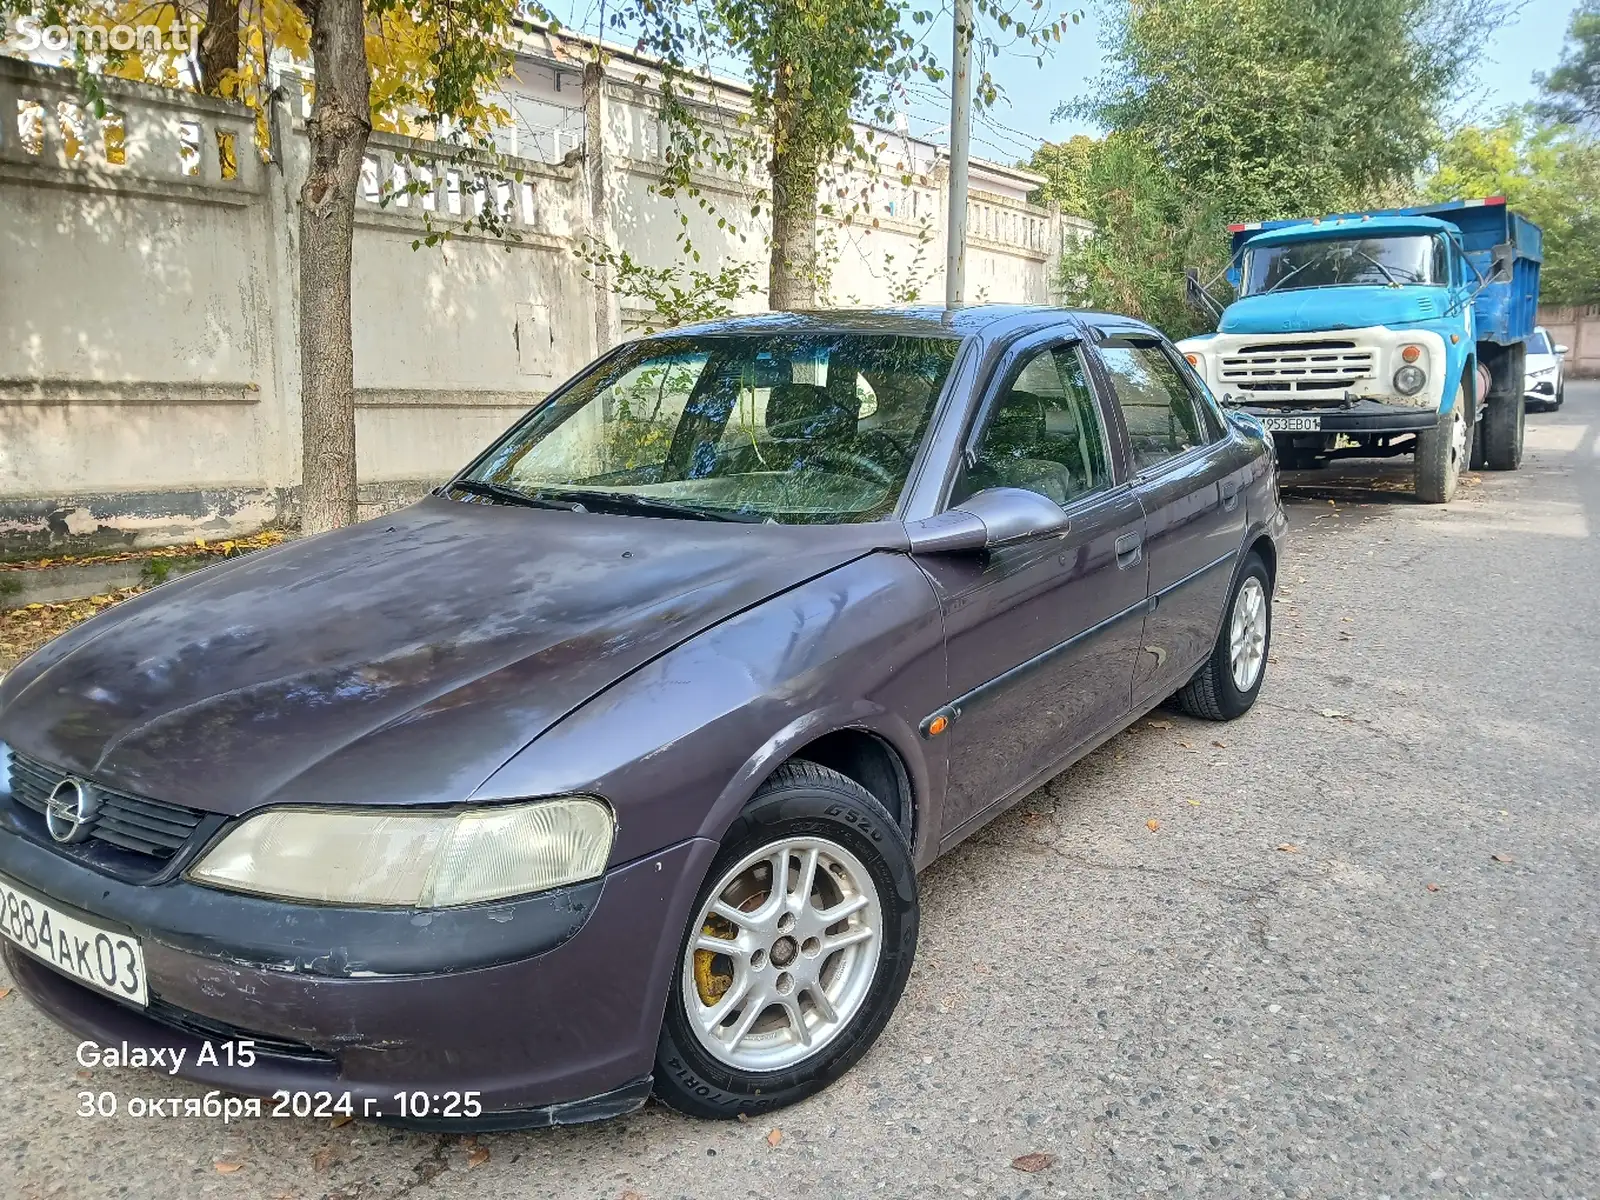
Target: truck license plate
(1292, 424)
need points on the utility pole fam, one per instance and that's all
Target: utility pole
(955, 265)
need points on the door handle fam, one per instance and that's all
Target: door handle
(1230, 495)
(1128, 550)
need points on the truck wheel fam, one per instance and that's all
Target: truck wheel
(1502, 432)
(1442, 453)
(1227, 685)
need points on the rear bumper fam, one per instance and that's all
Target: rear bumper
(565, 1034)
(1359, 416)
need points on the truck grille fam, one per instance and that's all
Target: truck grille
(150, 828)
(1326, 367)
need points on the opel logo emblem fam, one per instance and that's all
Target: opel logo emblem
(70, 810)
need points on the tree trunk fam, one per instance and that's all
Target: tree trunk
(792, 271)
(219, 44)
(339, 125)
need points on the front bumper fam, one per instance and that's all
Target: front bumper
(1355, 416)
(1540, 388)
(564, 1030)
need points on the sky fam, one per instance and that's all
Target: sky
(1530, 42)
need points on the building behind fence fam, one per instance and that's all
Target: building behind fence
(149, 369)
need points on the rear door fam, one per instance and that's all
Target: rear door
(1188, 478)
(1041, 634)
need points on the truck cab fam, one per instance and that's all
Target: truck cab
(1382, 333)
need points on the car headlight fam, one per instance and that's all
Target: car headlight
(1550, 370)
(391, 858)
(1408, 380)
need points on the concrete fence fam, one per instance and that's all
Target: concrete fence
(149, 369)
(1578, 329)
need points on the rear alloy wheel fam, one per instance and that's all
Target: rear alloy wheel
(1443, 453)
(1227, 685)
(801, 944)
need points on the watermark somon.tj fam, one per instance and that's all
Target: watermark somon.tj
(29, 34)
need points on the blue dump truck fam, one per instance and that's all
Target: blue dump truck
(1372, 334)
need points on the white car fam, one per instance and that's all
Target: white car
(1544, 374)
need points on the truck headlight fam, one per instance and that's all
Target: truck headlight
(5, 769)
(391, 858)
(1409, 380)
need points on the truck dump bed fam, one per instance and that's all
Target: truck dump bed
(1501, 244)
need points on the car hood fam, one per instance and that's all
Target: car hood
(398, 661)
(1313, 310)
(1539, 362)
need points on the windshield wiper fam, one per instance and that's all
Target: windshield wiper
(509, 495)
(631, 502)
(1287, 277)
(1393, 282)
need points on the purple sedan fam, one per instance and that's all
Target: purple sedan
(609, 767)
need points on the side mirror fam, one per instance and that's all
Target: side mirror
(992, 517)
(1198, 298)
(1560, 349)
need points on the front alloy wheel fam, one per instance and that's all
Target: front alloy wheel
(786, 952)
(801, 943)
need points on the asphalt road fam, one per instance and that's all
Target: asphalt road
(1357, 959)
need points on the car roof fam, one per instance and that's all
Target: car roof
(984, 321)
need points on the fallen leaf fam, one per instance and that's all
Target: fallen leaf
(1433, 887)
(340, 1120)
(1196, 803)
(1333, 714)
(84, 1074)
(774, 1137)
(1032, 1162)
(4, 992)
(477, 1156)
(1289, 848)
(744, 1118)
(1220, 745)
(1152, 824)
(632, 1195)
(226, 1168)
(1187, 745)
(1160, 724)
(1505, 858)
(324, 1158)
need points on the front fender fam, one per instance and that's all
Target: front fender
(681, 744)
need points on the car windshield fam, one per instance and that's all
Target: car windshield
(798, 428)
(1340, 262)
(1539, 343)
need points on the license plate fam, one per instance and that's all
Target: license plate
(1292, 424)
(92, 954)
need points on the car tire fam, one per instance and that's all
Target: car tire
(1443, 452)
(1502, 432)
(1218, 692)
(1561, 393)
(705, 1065)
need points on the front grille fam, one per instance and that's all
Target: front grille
(1297, 367)
(151, 828)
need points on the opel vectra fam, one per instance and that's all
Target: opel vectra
(609, 766)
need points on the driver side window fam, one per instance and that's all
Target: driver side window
(1044, 433)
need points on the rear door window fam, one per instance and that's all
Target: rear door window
(1162, 415)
